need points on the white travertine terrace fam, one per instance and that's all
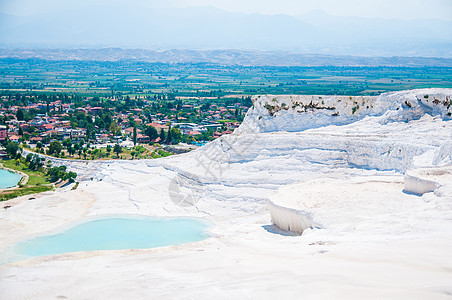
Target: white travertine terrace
(425, 180)
(289, 219)
(345, 172)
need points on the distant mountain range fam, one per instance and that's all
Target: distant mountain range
(222, 57)
(208, 28)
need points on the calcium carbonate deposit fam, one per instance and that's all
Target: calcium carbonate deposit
(362, 183)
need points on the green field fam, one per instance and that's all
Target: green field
(141, 79)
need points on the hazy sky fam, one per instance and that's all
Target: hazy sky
(400, 9)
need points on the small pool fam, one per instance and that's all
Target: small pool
(115, 233)
(8, 179)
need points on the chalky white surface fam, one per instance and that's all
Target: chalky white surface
(370, 238)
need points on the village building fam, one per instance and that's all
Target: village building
(3, 132)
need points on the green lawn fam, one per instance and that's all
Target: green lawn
(34, 177)
(24, 191)
(37, 181)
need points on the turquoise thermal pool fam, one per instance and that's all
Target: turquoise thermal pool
(115, 233)
(8, 179)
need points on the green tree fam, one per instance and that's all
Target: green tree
(12, 149)
(114, 128)
(97, 152)
(117, 149)
(151, 132)
(28, 157)
(56, 173)
(90, 132)
(70, 176)
(162, 135)
(134, 135)
(46, 139)
(20, 115)
(176, 135)
(131, 122)
(68, 144)
(71, 150)
(55, 147)
(35, 162)
(169, 137)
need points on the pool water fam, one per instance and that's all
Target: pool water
(116, 233)
(8, 179)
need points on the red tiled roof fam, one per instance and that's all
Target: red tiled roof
(193, 132)
(157, 125)
(130, 130)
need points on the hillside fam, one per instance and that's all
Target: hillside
(345, 171)
(221, 57)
